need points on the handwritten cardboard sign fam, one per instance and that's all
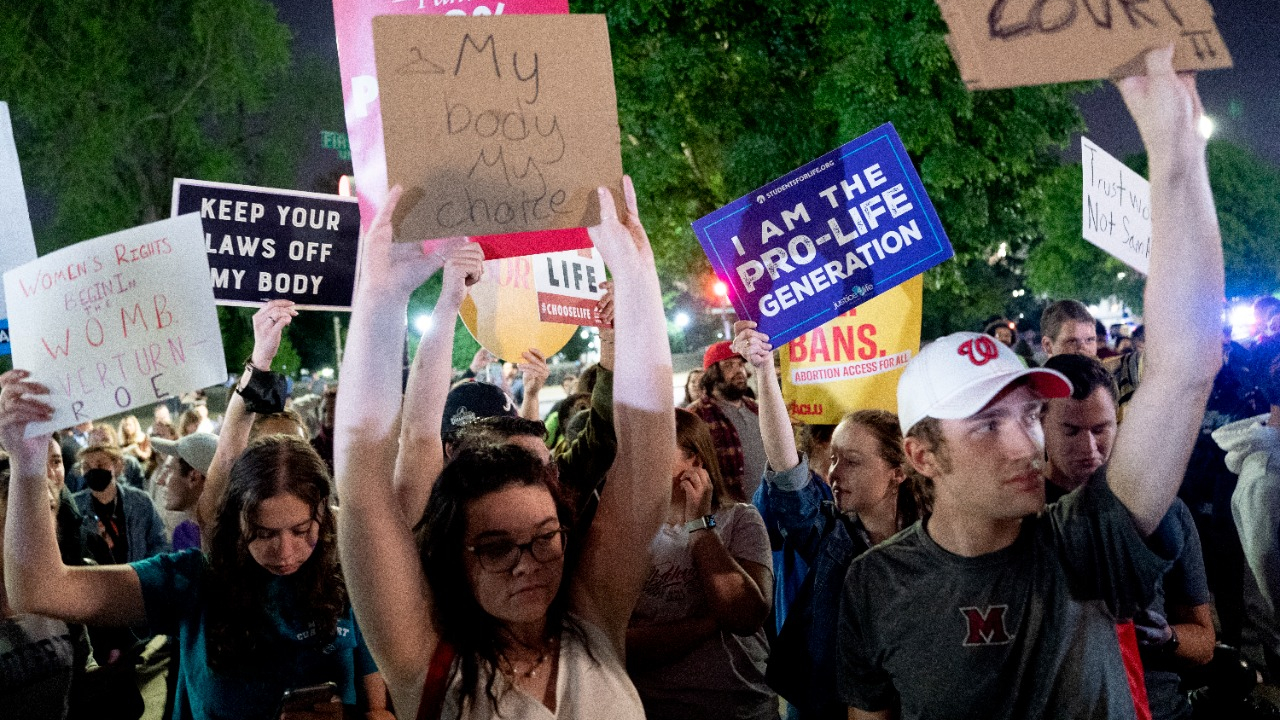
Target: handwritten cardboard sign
(568, 285)
(1117, 207)
(826, 237)
(353, 21)
(17, 244)
(117, 322)
(265, 244)
(853, 361)
(1011, 43)
(499, 124)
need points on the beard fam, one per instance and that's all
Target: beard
(731, 391)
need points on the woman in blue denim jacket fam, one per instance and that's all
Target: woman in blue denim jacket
(874, 495)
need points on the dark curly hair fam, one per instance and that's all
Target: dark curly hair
(473, 473)
(236, 585)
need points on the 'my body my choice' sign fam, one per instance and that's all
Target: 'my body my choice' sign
(826, 237)
(265, 243)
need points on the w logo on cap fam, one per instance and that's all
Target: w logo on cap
(979, 350)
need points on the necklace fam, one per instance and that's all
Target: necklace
(510, 669)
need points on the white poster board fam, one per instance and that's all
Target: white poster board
(117, 322)
(17, 244)
(568, 285)
(1117, 207)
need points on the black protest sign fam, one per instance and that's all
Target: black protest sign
(265, 243)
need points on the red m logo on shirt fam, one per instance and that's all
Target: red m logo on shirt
(986, 627)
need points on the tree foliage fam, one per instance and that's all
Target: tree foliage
(113, 100)
(716, 98)
(1246, 192)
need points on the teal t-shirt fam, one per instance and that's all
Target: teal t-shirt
(171, 592)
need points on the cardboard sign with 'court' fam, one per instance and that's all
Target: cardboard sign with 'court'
(265, 244)
(826, 237)
(1012, 43)
(117, 322)
(17, 244)
(1117, 207)
(497, 124)
(568, 285)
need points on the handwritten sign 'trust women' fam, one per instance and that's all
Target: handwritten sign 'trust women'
(117, 322)
(497, 124)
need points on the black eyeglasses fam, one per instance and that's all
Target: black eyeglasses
(499, 556)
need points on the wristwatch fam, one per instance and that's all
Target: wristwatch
(706, 522)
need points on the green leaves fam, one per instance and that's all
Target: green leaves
(722, 97)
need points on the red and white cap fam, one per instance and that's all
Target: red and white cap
(957, 375)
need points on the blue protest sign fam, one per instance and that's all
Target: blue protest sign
(265, 243)
(826, 237)
(5, 347)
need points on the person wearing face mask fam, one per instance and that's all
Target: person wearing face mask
(122, 515)
(873, 495)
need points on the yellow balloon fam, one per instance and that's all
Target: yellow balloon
(502, 312)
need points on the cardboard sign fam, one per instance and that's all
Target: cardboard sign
(265, 244)
(497, 125)
(17, 244)
(118, 322)
(568, 285)
(353, 20)
(1117, 207)
(826, 237)
(501, 311)
(1011, 43)
(854, 361)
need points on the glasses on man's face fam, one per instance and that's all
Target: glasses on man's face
(499, 556)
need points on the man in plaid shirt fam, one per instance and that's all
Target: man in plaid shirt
(734, 420)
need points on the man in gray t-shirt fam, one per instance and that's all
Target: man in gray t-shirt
(994, 607)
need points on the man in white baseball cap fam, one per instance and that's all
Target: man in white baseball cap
(183, 479)
(996, 606)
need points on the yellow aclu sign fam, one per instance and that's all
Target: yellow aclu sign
(854, 361)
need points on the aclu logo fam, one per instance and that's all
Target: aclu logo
(805, 408)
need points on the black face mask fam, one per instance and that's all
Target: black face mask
(98, 479)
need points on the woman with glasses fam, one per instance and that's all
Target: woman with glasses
(488, 611)
(696, 646)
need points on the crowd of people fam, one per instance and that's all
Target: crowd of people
(1075, 527)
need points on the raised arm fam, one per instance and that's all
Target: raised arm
(421, 450)
(533, 368)
(35, 579)
(615, 560)
(1183, 298)
(269, 323)
(775, 423)
(379, 557)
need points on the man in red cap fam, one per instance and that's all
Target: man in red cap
(734, 420)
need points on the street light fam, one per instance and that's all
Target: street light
(682, 320)
(1206, 126)
(423, 324)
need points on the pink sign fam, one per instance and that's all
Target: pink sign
(353, 20)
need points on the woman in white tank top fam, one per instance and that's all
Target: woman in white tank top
(480, 611)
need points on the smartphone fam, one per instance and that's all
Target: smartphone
(305, 698)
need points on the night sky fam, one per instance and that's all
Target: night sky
(1244, 101)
